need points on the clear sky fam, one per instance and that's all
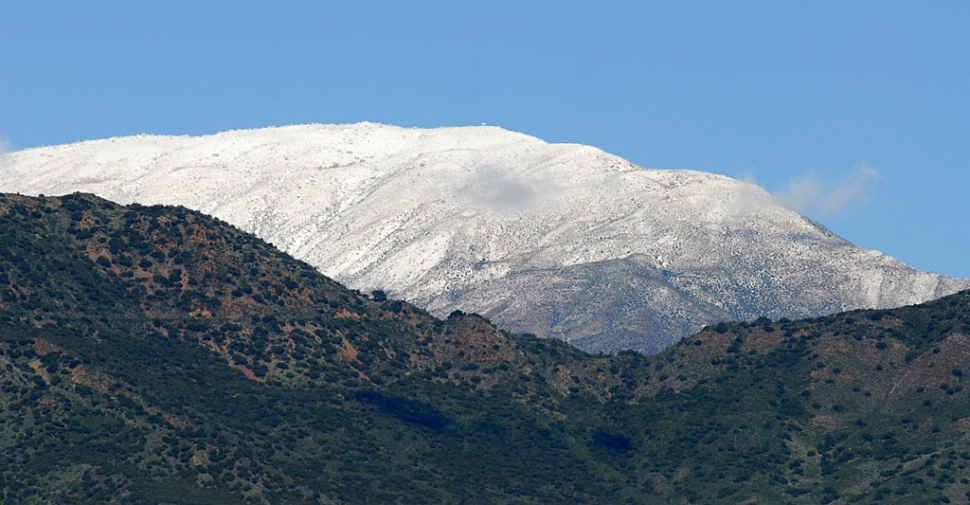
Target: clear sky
(858, 113)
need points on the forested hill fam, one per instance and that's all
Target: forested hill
(153, 354)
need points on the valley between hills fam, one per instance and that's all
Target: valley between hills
(153, 354)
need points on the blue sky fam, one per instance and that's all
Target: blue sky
(856, 112)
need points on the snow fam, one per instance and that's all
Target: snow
(486, 220)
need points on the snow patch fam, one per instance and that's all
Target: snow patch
(561, 240)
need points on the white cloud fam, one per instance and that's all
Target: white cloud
(504, 190)
(812, 196)
(501, 190)
(746, 176)
(747, 200)
(5, 148)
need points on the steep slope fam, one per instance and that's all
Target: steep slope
(156, 355)
(563, 241)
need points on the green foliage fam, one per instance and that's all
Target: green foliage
(152, 354)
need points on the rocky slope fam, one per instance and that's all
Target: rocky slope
(558, 240)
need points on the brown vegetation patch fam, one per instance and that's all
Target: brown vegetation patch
(82, 375)
(825, 423)
(247, 372)
(937, 366)
(346, 314)
(40, 370)
(43, 347)
(348, 352)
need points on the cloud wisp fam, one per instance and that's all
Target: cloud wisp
(5, 149)
(505, 191)
(502, 190)
(811, 196)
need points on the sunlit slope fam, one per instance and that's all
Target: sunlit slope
(554, 239)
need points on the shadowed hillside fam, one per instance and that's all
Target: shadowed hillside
(152, 354)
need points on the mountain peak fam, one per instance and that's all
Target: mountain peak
(559, 240)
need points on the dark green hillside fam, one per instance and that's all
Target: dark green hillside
(866, 406)
(152, 354)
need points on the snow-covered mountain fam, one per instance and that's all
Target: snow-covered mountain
(558, 240)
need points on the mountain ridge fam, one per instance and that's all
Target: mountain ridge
(155, 354)
(485, 220)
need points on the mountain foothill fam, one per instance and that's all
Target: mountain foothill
(153, 354)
